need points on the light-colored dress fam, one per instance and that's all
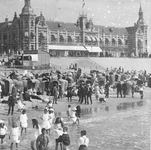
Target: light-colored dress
(73, 116)
(14, 136)
(23, 120)
(52, 116)
(3, 130)
(58, 130)
(46, 123)
(34, 137)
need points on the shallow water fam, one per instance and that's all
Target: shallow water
(122, 127)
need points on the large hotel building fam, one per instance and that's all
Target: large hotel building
(29, 34)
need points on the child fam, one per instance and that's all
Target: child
(58, 126)
(64, 139)
(37, 132)
(69, 92)
(49, 105)
(23, 121)
(3, 130)
(78, 113)
(51, 115)
(45, 119)
(14, 135)
(83, 141)
(73, 115)
(69, 112)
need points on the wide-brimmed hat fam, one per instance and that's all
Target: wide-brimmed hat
(74, 108)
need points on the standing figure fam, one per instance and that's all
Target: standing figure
(97, 91)
(3, 130)
(107, 89)
(141, 89)
(124, 88)
(69, 112)
(83, 141)
(37, 132)
(73, 115)
(119, 89)
(51, 117)
(11, 104)
(89, 93)
(55, 94)
(23, 121)
(14, 135)
(133, 89)
(83, 93)
(59, 130)
(42, 140)
(14, 90)
(79, 92)
(45, 118)
(69, 92)
(64, 139)
(78, 113)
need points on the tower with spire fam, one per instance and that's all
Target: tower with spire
(27, 28)
(141, 34)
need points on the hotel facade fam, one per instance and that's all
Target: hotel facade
(28, 34)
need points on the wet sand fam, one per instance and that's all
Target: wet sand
(112, 106)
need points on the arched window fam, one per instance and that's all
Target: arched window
(107, 41)
(120, 42)
(113, 41)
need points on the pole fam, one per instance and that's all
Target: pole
(23, 59)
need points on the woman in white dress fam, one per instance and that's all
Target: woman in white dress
(23, 121)
(46, 118)
(14, 135)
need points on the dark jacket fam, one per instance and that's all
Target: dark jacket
(65, 139)
(124, 87)
(12, 100)
(119, 87)
(88, 91)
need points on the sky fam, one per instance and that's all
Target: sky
(119, 13)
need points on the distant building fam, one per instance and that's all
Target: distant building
(28, 33)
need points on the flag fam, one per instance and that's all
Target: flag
(83, 4)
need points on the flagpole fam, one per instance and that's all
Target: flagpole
(83, 7)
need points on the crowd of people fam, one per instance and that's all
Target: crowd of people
(50, 123)
(85, 88)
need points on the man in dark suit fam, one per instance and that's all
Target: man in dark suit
(107, 85)
(89, 93)
(83, 93)
(124, 88)
(11, 103)
(119, 89)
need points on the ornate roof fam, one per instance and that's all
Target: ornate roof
(27, 9)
